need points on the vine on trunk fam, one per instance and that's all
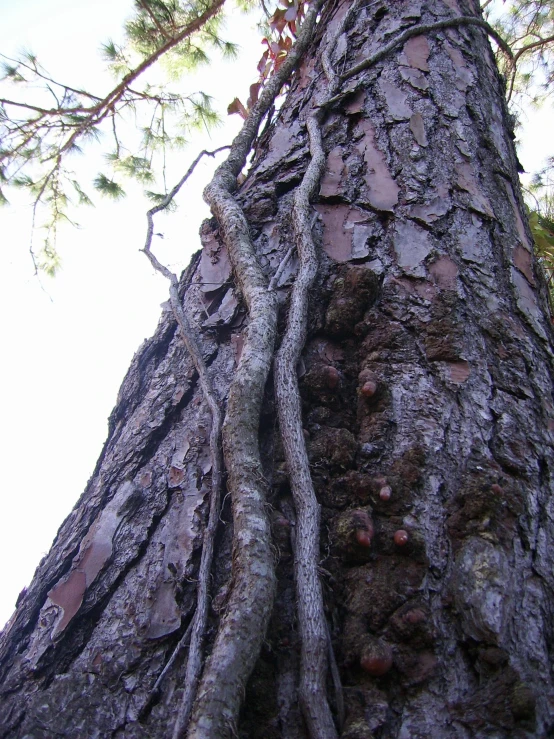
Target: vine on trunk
(243, 625)
(313, 628)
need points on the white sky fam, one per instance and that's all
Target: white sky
(68, 343)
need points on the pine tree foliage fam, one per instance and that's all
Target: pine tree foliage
(45, 122)
(528, 26)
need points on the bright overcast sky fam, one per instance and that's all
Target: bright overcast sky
(68, 342)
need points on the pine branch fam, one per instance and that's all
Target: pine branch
(99, 111)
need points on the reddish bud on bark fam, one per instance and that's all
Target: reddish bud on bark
(363, 538)
(385, 493)
(376, 658)
(333, 377)
(368, 389)
(401, 537)
(496, 489)
(415, 617)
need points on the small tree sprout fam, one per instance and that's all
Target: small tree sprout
(401, 537)
(368, 389)
(385, 493)
(376, 658)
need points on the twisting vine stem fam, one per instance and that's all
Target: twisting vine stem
(200, 618)
(313, 627)
(244, 623)
(408, 34)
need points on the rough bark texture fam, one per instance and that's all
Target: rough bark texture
(428, 370)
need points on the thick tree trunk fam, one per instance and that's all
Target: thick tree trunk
(426, 385)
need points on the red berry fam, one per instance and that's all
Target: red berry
(363, 538)
(385, 492)
(401, 537)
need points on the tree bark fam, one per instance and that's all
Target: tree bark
(426, 387)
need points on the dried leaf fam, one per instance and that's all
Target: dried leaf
(237, 107)
(254, 92)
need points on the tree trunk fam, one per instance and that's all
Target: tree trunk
(426, 385)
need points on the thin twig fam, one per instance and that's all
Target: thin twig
(200, 618)
(171, 661)
(517, 56)
(281, 268)
(427, 28)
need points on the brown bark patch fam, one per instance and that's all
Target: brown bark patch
(382, 189)
(417, 127)
(414, 78)
(444, 272)
(215, 268)
(416, 53)
(464, 76)
(332, 177)
(412, 245)
(398, 108)
(345, 231)
(68, 595)
(437, 207)
(523, 261)
(467, 181)
(175, 476)
(459, 371)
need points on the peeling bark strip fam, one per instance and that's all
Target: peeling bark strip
(244, 624)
